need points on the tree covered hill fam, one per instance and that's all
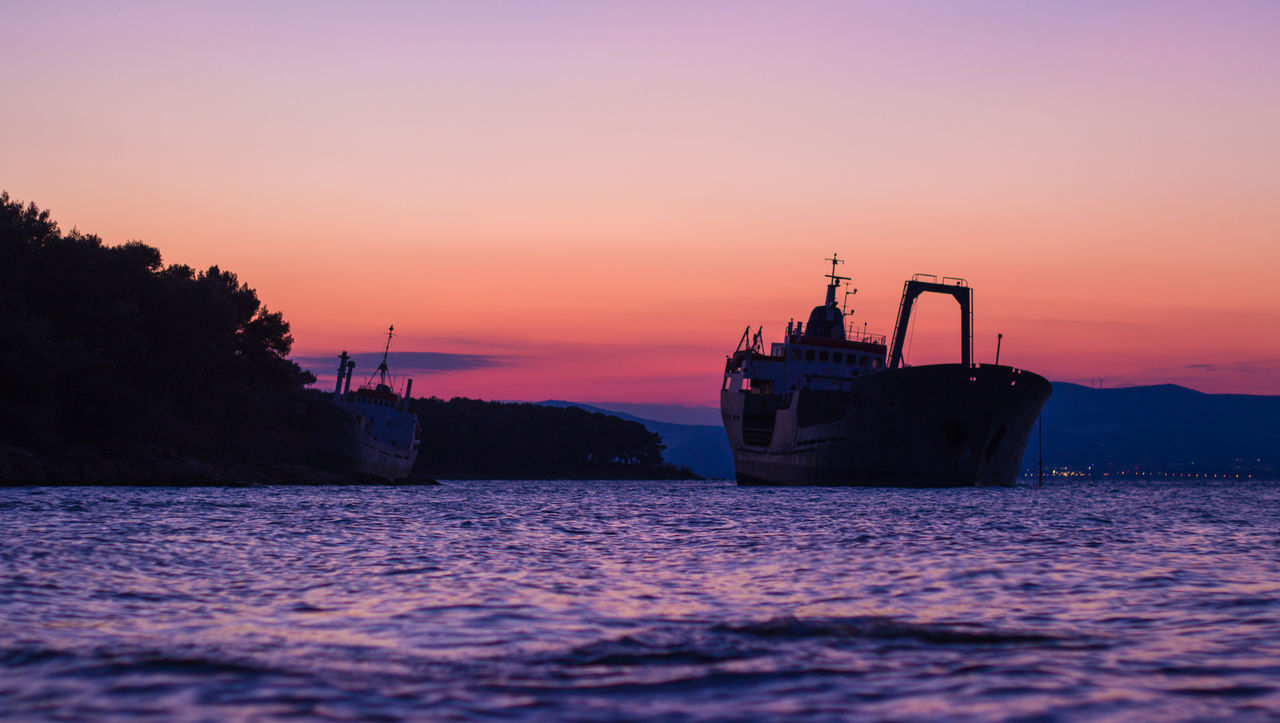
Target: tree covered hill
(120, 369)
(468, 438)
(106, 345)
(702, 448)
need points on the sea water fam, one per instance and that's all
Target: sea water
(678, 601)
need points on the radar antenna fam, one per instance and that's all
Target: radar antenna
(836, 260)
(835, 280)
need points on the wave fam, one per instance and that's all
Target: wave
(877, 627)
(702, 644)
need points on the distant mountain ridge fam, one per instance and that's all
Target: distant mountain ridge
(1160, 428)
(1157, 429)
(668, 413)
(702, 448)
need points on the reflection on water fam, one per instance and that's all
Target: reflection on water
(682, 600)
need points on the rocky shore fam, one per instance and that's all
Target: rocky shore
(154, 467)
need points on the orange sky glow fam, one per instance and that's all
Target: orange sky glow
(595, 199)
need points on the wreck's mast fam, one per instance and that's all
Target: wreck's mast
(383, 372)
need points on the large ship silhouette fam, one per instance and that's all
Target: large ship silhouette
(827, 407)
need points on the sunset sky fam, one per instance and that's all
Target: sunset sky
(591, 200)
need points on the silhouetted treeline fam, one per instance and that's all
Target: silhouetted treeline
(467, 438)
(105, 345)
(113, 362)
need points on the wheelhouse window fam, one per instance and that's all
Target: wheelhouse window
(808, 355)
(822, 356)
(837, 357)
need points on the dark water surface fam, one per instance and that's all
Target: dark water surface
(680, 601)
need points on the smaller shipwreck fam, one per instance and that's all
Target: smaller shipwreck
(376, 433)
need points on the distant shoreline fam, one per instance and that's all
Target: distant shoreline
(154, 467)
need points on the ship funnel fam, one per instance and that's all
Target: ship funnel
(342, 371)
(351, 370)
(408, 387)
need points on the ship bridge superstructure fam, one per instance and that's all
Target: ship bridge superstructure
(827, 352)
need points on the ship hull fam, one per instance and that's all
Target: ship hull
(943, 425)
(347, 441)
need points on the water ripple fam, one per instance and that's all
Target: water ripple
(682, 601)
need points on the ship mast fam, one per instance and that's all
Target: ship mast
(383, 372)
(835, 280)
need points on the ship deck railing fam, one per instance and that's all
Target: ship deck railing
(852, 334)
